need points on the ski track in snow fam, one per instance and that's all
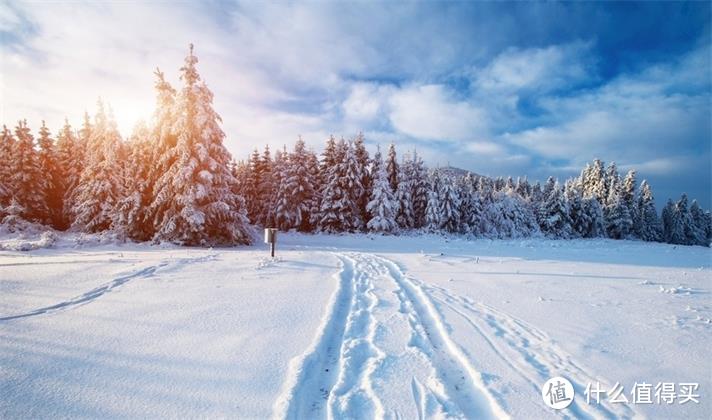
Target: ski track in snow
(529, 352)
(383, 352)
(99, 291)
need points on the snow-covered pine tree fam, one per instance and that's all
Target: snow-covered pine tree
(130, 219)
(682, 211)
(647, 224)
(382, 205)
(99, 187)
(617, 218)
(542, 210)
(580, 223)
(697, 233)
(27, 177)
(366, 179)
(282, 215)
(70, 158)
(404, 194)
(522, 188)
(299, 187)
(593, 179)
(554, 218)
(612, 181)
(420, 191)
(251, 195)
(466, 192)
(52, 177)
(628, 195)
(449, 205)
(392, 167)
(196, 190)
(165, 154)
(313, 168)
(432, 212)
(508, 216)
(264, 188)
(351, 183)
(338, 211)
(7, 145)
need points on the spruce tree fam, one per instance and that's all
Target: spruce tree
(392, 167)
(7, 146)
(197, 189)
(52, 177)
(697, 233)
(617, 218)
(432, 212)
(382, 203)
(628, 195)
(647, 225)
(554, 217)
(404, 195)
(420, 191)
(449, 206)
(26, 176)
(361, 155)
(99, 187)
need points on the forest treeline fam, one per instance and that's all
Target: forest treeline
(173, 180)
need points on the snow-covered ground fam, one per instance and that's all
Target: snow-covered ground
(352, 326)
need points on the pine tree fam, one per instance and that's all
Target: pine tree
(363, 159)
(313, 167)
(449, 206)
(197, 189)
(628, 195)
(593, 179)
(419, 191)
(99, 187)
(130, 215)
(282, 215)
(432, 212)
(392, 167)
(381, 206)
(52, 177)
(617, 218)
(612, 181)
(697, 233)
(404, 195)
(647, 225)
(352, 185)
(554, 217)
(338, 211)
(26, 177)
(7, 146)
(299, 188)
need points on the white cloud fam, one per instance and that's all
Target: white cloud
(547, 68)
(429, 112)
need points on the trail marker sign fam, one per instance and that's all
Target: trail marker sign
(271, 238)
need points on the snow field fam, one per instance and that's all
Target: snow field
(352, 326)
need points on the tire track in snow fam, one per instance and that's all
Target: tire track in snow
(530, 352)
(99, 291)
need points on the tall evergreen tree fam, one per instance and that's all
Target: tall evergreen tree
(404, 195)
(433, 210)
(196, 190)
(99, 187)
(554, 217)
(382, 205)
(697, 232)
(628, 195)
(420, 191)
(7, 146)
(617, 218)
(361, 155)
(27, 178)
(647, 225)
(52, 177)
(392, 167)
(449, 206)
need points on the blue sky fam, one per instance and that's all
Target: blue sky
(532, 89)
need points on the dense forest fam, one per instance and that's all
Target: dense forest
(173, 180)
